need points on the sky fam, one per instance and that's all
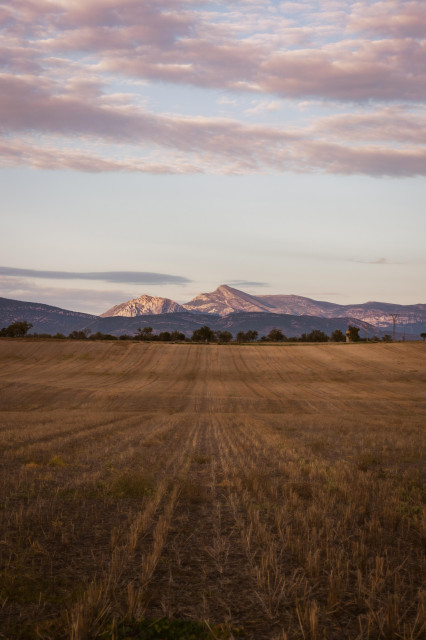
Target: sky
(169, 146)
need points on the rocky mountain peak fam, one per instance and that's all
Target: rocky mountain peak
(144, 305)
(225, 300)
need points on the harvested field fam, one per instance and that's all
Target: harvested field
(274, 492)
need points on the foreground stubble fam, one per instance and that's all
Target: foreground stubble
(278, 489)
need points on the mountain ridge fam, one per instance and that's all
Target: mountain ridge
(225, 308)
(226, 300)
(45, 318)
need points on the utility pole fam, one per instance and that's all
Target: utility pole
(394, 317)
(366, 327)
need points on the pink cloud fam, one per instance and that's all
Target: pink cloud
(247, 47)
(390, 124)
(63, 59)
(342, 144)
(391, 18)
(371, 160)
(16, 153)
(389, 70)
(29, 107)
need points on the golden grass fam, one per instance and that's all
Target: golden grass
(277, 489)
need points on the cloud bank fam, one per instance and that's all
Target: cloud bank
(76, 80)
(118, 277)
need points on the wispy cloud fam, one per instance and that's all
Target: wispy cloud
(322, 293)
(86, 300)
(118, 277)
(380, 261)
(260, 106)
(246, 283)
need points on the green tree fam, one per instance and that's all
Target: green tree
(224, 336)
(144, 334)
(204, 334)
(177, 336)
(16, 330)
(276, 335)
(338, 336)
(247, 336)
(316, 335)
(423, 335)
(387, 338)
(353, 333)
(79, 335)
(102, 336)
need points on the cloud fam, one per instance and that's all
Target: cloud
(125, 277)
(365, 159)
(41, 154)
(49, 114)
(229, 149)
(84, 300)
(379, 261)
(66, 67)
(352, 70)
(261, 47)
(247, 283)
(322, 293)
(390, 18)
(381, 144)
(263, 105)
(224, 100)
(392, 123)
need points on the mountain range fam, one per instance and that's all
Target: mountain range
(225, 308)
(226, 300)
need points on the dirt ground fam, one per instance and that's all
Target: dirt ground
(276, 491)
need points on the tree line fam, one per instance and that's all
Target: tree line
(202, 335)
(206, 334)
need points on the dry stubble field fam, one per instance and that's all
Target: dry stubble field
(272, 491)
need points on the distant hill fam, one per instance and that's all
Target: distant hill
(185, 322)
(377, 313)
(257, 313)
(290, 325)
(298, 305)
(225, 301)
(43, 317)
